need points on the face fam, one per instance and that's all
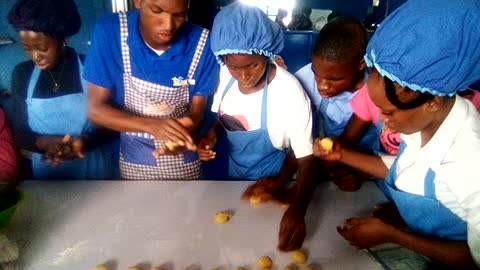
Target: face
(402, 121)
(334, 77)
(160, 20)
(247, 69)
(42, 49)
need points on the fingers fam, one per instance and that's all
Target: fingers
(172, 130)
(291, 238)
(205, 155)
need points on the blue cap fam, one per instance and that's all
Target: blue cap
(240, 28)
(429, 46)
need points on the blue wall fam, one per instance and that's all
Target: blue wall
(12, 54)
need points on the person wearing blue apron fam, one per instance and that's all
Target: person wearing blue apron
(149, 77)
(434, 180)
(262, 112)
(50, 98)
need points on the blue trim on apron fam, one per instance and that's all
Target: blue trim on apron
(251, 153)
(424, 215)
(63, 115)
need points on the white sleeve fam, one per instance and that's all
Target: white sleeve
(387, 159)
(299, 122)
(225, 77)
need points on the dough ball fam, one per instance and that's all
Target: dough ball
(222, 217)
(171, 145)
(299, 257)
(100, 267)
(241, 268)
(255, 200)
(326, 144)
(157, 268)
(265, 262)
(135, 268)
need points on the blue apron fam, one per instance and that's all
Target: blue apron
(251, 153)
(425, 215)
(63, 115)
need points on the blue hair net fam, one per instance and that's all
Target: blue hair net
(429, 46)
(240, 28)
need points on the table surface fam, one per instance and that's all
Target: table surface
(80, 224)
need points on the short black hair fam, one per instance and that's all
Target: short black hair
(56, 18)
(419, 98)
(341, 40)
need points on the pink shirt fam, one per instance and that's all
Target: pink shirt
(8, 154)
(364, 108)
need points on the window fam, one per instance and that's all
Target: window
(271, 7)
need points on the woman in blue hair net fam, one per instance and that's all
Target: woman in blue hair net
(263, 111)
(420, 57)
(49, 97)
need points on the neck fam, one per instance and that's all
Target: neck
(438, 118)
(360, 82)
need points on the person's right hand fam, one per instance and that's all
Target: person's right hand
(206, 144)
(174, 130)
(335, 154)
(292, 229)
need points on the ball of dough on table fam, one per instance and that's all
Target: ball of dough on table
(264, 262)
(222, 217)
(299, 257)
(100, 267)
(326, 144)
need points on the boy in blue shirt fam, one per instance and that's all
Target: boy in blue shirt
(150, 73)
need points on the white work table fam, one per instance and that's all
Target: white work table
(80, 224)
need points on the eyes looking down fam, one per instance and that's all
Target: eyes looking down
(160, 20)
(334, 77)
(248, 69)
(42, 49)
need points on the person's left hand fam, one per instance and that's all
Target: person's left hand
(365, 232)
(69, 148)
(292, 229)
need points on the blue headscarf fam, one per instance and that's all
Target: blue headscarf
(429, 46)
(240, 28)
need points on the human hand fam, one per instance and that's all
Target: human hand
(334, 154)
(58, 149)
(365, 232)
(175, 134)
(280, 62)
(263, 189)
(205, 145)
(292, 229)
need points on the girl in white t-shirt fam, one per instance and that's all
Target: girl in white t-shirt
(262, 112)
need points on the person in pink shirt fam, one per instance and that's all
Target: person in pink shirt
(8, 153)
(365, 112)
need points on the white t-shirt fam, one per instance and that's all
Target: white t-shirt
(289, 114)
(457, 184)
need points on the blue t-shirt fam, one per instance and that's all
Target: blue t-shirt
(104, 65)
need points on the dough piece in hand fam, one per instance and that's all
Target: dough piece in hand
(326, 144)
(299, 257)
(171, 145)
(265, 262)
(255, 200)
(222, 217)
(100, 267)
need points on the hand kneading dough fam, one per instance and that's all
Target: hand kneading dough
(326, 144)
(100, 267)
(299, 257)
(222, 217)
(265, 262)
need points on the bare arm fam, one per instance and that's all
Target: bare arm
(445, 252)
(369, 164)
(104, 114)
(353, 131)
